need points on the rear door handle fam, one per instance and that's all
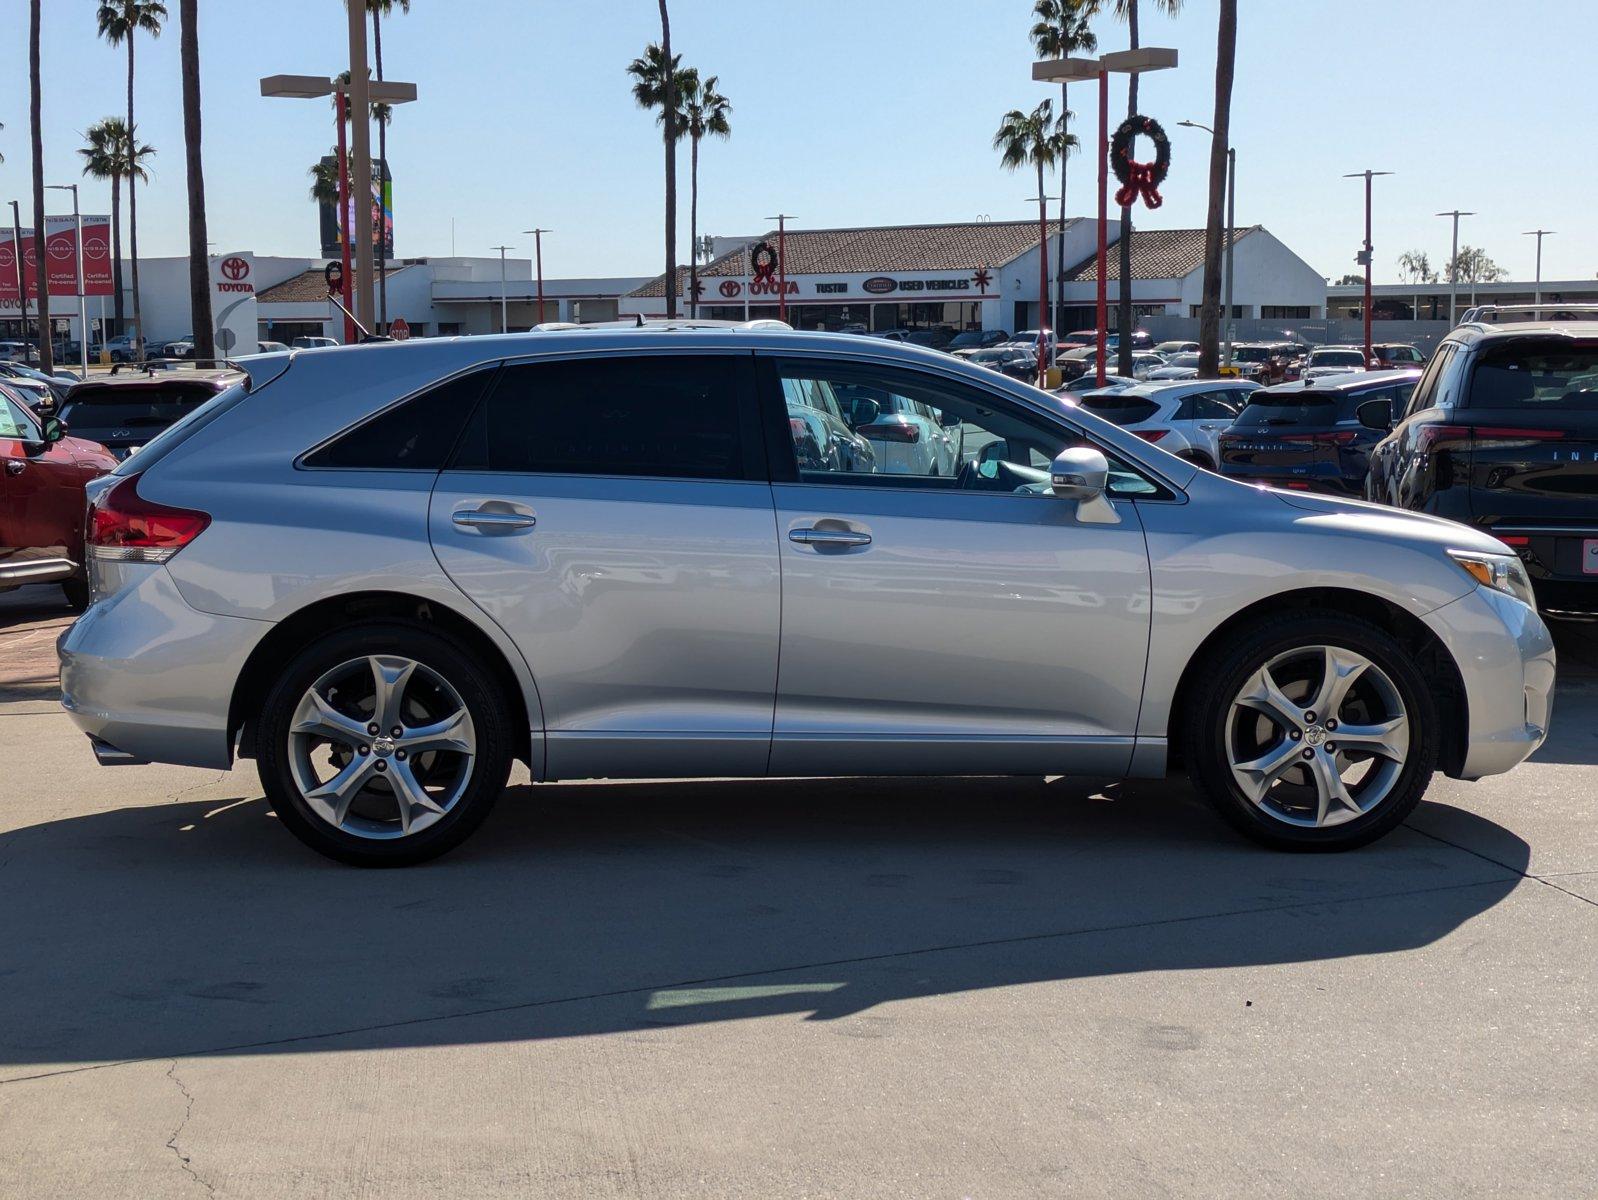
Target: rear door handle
(489, 519)
(829, 537)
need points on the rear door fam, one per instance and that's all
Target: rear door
(613, 515)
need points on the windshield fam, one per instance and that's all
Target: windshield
(971, 337)
(130, 408)
(1251, 354)
(1266, 409)
(1182, 360)
(1336, 358)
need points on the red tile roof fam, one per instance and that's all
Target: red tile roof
(1156, 254)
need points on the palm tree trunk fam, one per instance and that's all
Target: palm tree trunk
(46, 348)
(133, 214)
(116, 249)
(1059, 256)
(382, 177)
(1123, 309)
(1210, 312)
(199, 260)
(671, 162)
(693, 230)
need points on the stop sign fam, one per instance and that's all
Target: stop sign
(399, 329)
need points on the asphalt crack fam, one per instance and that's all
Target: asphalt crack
(172, 1142)
(1488, 858)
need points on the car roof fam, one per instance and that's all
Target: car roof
(1355, 381)
(1479, 331)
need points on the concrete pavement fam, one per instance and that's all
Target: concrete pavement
(973, 988)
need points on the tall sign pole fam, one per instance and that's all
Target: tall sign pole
(1367, 255)
(1453, 267)
(341, 102)
(361, 185)
(782, 220)
(1539, 234)
(538, 259)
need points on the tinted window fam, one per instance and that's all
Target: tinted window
(416, 435)
(135, 407)
(1216, 406)
(1120, 409)
(668, 416)
(1294, 408)
(1425, 393)
(13, 423)
(1536, 375)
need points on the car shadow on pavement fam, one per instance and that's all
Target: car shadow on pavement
(581, 909)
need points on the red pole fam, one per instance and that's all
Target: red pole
(538, 251)
(1368, 257)
(339, 106)
(1104, 217)
(1043, 284)
(782, 269)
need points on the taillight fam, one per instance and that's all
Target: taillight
(891, 431)
(1151, 435)
(125, 527)
(1441, 437)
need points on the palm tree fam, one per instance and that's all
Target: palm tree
(324, 179)
(106, 156)
(1210, 310)
(656, 86)
(1039, 138)
(383, 114)
(705, 112)
(199, 262)
(1061, 31)
(118, 21)
(1127, 10)
(46, 357)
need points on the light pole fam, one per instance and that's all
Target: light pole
(16, 246)
(504, 303)
(1453, 267)
(1539, 234)
(1071, 70)
(314, 87)
(538, 258)
(1043, 287)
(1231, 236)
(1365, 256)
(83, 301)
(782, 220)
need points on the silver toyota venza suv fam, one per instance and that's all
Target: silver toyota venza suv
(384, 572)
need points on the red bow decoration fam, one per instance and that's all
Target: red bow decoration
(1139, 182)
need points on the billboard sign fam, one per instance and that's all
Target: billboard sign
(233, 306)
(61, 255)
(381, 212)
(10, 298)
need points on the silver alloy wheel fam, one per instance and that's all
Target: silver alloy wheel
(1317, 736)
(381, 747)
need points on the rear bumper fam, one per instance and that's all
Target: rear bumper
(1317, 477)
(1505, 657)
(150, 679)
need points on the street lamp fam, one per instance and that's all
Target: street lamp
(1075, 70)
(538, 258)
(315, 87)
(1453, 267)
(1043, 287)
(83, 301)
(1231, 233)
(1537, 295)
(504, 303)
(1365, 256)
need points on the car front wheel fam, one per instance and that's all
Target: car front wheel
(383, 746)
(1314, 731)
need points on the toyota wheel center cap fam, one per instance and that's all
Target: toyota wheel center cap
(1314, 735)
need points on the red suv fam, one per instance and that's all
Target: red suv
(42, 476)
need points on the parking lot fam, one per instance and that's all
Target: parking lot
(983, 987)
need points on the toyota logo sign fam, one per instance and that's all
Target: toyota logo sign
(235, 268)
(730, 288)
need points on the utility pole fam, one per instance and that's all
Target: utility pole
(1365, 256)
(538, 258)
(782, 220)
(1453, 267)
(361, 185)
(1539, 234)
(504, 303)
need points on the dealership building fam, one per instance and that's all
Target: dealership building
(977, 275)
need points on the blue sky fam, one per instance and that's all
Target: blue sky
(846, 112)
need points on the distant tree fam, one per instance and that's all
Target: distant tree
(324, 179)
(1214, 232)
(1350, 281)
(705, 112)
(1060, 31)
(107, 154)
(199, 260)
(1041, 139)
(1472, 265)
(655, 85)
(1416, 267)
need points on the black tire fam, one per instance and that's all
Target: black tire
(1222, 677)
(76, 591)
(477, 689)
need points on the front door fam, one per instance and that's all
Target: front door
(41, 500)
(613, 515)
(964, 623)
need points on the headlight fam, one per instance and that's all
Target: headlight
(1501, 572)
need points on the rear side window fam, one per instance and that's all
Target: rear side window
(674, 417)
(1120, 410)
(1536, 375)
(415, 435)
(1290, 408)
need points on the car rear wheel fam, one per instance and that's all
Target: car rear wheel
(1314, 731)
(383, 746)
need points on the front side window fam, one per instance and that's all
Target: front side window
(13, 423)
(1536, 375)
(667, 416)
(908, 429)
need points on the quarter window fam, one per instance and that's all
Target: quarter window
(416, 435)
(675, 417)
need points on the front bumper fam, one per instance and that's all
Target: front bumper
(150, 678)
(1505, 657)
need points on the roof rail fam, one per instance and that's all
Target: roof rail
(1487, 313)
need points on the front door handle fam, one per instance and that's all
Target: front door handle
(490, 519)
(829, 537)
(15, 466)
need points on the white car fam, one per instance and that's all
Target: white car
(1090, 383)
(1334, 360)
(1145, 362)
(1167, 349)
(910, 437)
(1177, 366)
(1184, 419)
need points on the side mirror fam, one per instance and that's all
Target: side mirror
(864, 411)
(948, 420)
(1376, 414)
(1082, 473)
(54, 430)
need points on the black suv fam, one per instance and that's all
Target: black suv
(1314, 436)
(1502, 433)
